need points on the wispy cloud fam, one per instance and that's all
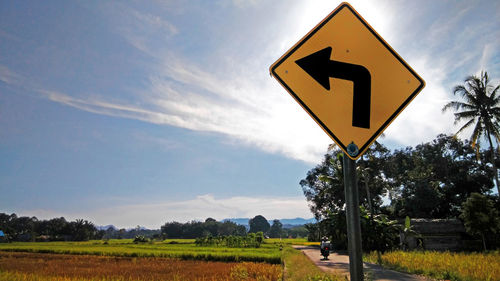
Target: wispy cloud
(238, 99)
(153, 215)
(9, 77)
(141, 29)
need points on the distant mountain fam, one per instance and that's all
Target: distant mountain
(287, 223)
(105, 227)
(242, 221)
(297, 221)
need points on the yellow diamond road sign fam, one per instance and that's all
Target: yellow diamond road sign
(349, 80)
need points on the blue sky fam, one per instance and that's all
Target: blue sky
(141, 112)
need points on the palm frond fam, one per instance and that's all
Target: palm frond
(468, 96)
(471, 114)
(465, 126)
(495, 111)
(494, 129)
(456, 105)
(474, 84)
(494, 97)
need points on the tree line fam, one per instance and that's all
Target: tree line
(212, 228)
(57, 229)
(26, 228)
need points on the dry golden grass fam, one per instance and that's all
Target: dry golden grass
(54, 267)
(444, 265)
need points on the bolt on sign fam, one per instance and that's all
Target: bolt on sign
(349, 80)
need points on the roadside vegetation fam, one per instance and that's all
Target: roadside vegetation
(443, 265)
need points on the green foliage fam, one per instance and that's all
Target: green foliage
(407, 231)
(140, 239)
(259, 223)
(480, 216)
(31, 229)
(379, 233)
(251, 240)
(194, 229)
(431, 180)
(276, 230)
(313, 232)
(324, 186)
(296, 232)
(479, 107)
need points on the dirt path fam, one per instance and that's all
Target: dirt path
(339, 263)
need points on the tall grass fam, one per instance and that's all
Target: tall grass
(54, 267)
(444, 265)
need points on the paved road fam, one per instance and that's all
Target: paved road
(339, 263)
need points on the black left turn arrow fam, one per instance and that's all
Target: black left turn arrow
(319, 66)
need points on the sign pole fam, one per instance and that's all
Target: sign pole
(352, 215)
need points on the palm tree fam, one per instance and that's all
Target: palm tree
(480, 108)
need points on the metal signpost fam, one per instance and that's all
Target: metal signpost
(353, 84)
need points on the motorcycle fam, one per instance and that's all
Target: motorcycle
(325, 252)
(325, 249)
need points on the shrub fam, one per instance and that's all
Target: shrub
(140, 239)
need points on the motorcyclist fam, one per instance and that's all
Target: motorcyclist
(325, 247)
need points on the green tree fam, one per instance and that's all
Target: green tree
(82, 230)
(297, 232)
(276, 230)
(211, 226)
(312, 231)
(433, 179)
(379, 233)
(259, 223)
(480, 216)
(172, 230)
(323, 186)
(479, 107)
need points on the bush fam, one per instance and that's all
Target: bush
(251, 240)
(140, 239)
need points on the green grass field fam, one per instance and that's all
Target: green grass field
(180, 248)
(290, 241)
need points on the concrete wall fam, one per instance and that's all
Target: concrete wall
(438, 234)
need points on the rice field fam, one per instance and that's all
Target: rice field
(291, 241)
(186, 250)
(17, 266)
(444, 265)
